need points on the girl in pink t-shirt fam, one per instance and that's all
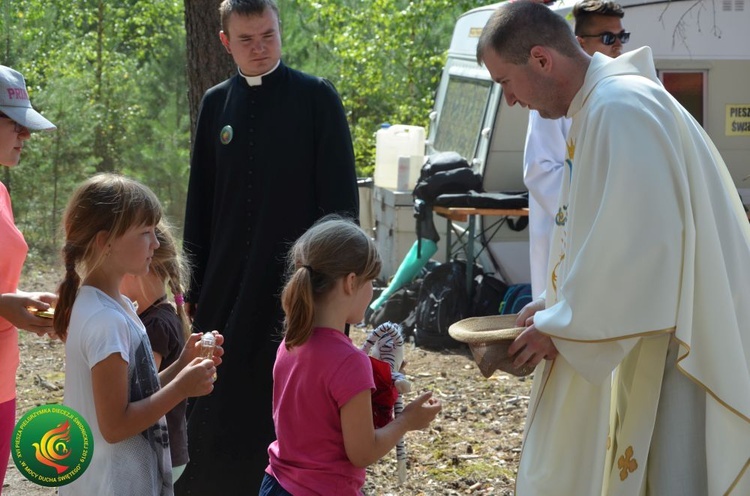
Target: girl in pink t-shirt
(322, 407)
(17, 120)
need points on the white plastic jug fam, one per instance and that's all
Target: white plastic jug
(390, 144)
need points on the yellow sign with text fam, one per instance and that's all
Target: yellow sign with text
(738, 120)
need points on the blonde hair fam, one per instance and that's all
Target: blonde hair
(107, 203)
(170, 267)
(331, 249)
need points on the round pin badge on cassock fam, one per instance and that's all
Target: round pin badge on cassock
(226, 135)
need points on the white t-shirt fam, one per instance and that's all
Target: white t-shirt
(137, 466)
(543, 161)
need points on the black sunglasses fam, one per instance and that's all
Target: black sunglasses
(608, 38)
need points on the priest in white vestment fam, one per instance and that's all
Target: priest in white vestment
(598, 29)
(643, 335)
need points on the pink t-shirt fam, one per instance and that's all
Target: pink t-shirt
(13, 255)
(311, 384)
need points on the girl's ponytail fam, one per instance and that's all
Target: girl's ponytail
(299, 307)
(169, 266)
(331, 249)
(179, 300)
(67, 290)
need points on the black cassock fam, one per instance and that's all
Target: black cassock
(268, 161)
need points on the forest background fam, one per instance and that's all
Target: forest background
(122, 82)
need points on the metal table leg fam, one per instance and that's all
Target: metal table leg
(470, 257)
(449, 225)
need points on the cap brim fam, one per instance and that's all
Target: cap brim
(28, 118)
(485, 329)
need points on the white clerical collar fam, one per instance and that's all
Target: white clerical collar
(258, 80)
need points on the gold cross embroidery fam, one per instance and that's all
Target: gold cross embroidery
(626, 463)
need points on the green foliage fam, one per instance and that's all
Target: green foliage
(384, 56)
(111, 76)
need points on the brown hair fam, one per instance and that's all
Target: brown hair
(586, 11)
(516, 27)
(245, 8)
(107, 203)
(331, 249)
(169, 266)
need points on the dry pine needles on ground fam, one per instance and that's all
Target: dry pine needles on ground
(472, 448)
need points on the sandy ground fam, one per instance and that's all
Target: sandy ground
(472, 448)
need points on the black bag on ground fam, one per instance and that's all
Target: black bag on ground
(442, 301)
(398, 306)
(516, 297)
(488, 296)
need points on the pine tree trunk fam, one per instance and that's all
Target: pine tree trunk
(208, 63)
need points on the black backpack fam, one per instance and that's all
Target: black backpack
(488, 296)
(445, 172)
(443, 300)
(398, 306)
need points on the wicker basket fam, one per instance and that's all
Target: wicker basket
(489, 339)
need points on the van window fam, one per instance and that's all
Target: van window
(460, 120)
(689, 88)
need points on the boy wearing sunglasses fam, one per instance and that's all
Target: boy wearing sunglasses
(598, 28)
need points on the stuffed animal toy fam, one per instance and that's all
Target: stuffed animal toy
(385, 343)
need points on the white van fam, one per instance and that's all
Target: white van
(702, 53)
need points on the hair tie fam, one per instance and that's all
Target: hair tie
(179, 299)
(70, 267)
(308, 268)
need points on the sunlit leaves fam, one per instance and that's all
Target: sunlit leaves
(111, 75)
(384, 56)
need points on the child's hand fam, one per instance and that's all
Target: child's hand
(196, 378)
(192, 349)
(420, 412)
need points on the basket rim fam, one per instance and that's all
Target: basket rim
(486, 329)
